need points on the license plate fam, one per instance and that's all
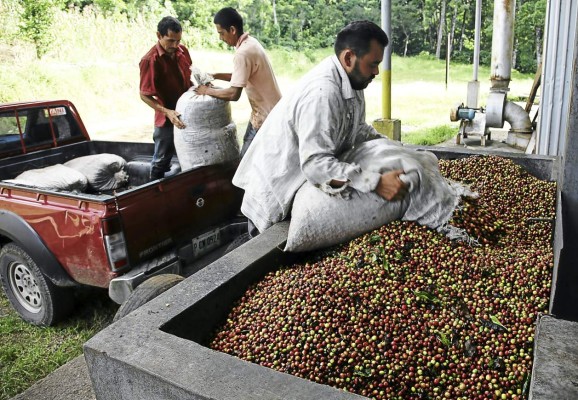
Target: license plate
(206, 242)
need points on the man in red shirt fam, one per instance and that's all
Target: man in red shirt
(165, 74)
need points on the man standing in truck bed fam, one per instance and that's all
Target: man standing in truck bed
(251, 70)
(165, 74)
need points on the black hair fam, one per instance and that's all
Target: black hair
(357, 36)
(169, 24)
(228, 17)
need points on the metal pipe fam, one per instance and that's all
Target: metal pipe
(474, 85)
(502, 44)
(477, 38)
(517, 117)
(386, 73)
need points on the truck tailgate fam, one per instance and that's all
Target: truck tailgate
(170, 212)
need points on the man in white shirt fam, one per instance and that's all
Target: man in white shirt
(251, 70)
(306, 132)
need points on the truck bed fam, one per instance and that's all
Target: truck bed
(181, 215)
(137, 155)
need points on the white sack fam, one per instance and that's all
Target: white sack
(210, 136)
(433, 198)
(103, 171)
(56, 177)
(319, 220)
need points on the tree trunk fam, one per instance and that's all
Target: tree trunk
(441, 27)
(452, 30)
(538, 45)
(461, 45)
(516, 43)
(405, 44)
(275, 22)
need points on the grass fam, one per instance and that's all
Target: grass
(94, 63)
(29, 353)
(431, 136)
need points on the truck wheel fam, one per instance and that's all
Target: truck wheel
(244, 238)
(147, 291)
(32, 295)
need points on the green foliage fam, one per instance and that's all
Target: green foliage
(110, 7)
(529, 33)
(98, 67)
(405, 31)
(37, 19)
(313, 24)
(198, 13)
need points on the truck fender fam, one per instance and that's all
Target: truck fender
(15, 228)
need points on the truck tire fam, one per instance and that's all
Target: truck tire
(241, 239)
(36, 299)
(147, 291)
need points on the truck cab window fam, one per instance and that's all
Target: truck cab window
(9, 133)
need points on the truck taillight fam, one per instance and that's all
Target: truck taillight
(115, 243)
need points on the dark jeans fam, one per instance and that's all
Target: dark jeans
(248, 138)
(164, 151)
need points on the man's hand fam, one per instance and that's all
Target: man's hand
(201, 89)
(232, 93)
(173, 116)
(390, 187)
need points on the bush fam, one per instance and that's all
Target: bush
(37, 20)
(463, 57)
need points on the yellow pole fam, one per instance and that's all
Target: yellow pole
(386, 94)
(385, 125)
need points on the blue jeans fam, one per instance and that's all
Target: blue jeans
(248, 138)
(164, 151)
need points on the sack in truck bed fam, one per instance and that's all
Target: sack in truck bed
(103, 171)
(55, 177)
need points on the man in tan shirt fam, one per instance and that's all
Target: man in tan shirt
(251, 70)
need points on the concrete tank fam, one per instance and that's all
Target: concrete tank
(159, 351)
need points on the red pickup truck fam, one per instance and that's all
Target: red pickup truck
(54, 240)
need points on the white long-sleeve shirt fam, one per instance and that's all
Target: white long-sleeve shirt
(301, 140)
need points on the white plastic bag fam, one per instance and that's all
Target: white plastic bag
(210, 136)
